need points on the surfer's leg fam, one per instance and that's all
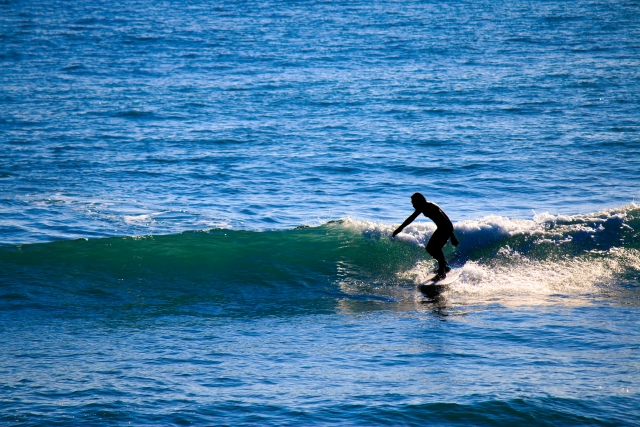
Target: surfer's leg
(434, 248)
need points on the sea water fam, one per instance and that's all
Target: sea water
(197, 200)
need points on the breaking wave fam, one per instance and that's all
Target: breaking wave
(228, 272)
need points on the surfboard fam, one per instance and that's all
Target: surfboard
(434, 287)
(452, 276)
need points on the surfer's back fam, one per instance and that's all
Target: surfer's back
(437, 215)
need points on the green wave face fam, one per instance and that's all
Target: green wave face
(316, 269)
(219, 271)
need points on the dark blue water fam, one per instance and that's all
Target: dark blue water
(159, 160)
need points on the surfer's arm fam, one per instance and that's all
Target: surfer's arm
(454, 241)
(406, 222)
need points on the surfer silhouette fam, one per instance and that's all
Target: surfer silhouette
(443, 232)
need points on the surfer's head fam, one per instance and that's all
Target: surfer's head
(418, 200)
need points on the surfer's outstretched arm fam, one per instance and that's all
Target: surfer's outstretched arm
(406, 222)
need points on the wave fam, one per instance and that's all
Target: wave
(225, 272)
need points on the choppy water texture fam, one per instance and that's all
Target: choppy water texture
(196, 202)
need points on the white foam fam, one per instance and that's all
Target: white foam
(511, 277)
(131, 219)
(472, 234)
(416, 234)
(514, 279)
(491, 229)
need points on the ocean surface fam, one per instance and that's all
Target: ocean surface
(197, 200)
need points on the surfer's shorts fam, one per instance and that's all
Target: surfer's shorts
(438, 240)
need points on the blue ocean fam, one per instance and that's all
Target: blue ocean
(197, 201)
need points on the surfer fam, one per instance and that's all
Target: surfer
(443, 232)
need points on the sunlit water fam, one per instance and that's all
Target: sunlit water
(196, 203)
